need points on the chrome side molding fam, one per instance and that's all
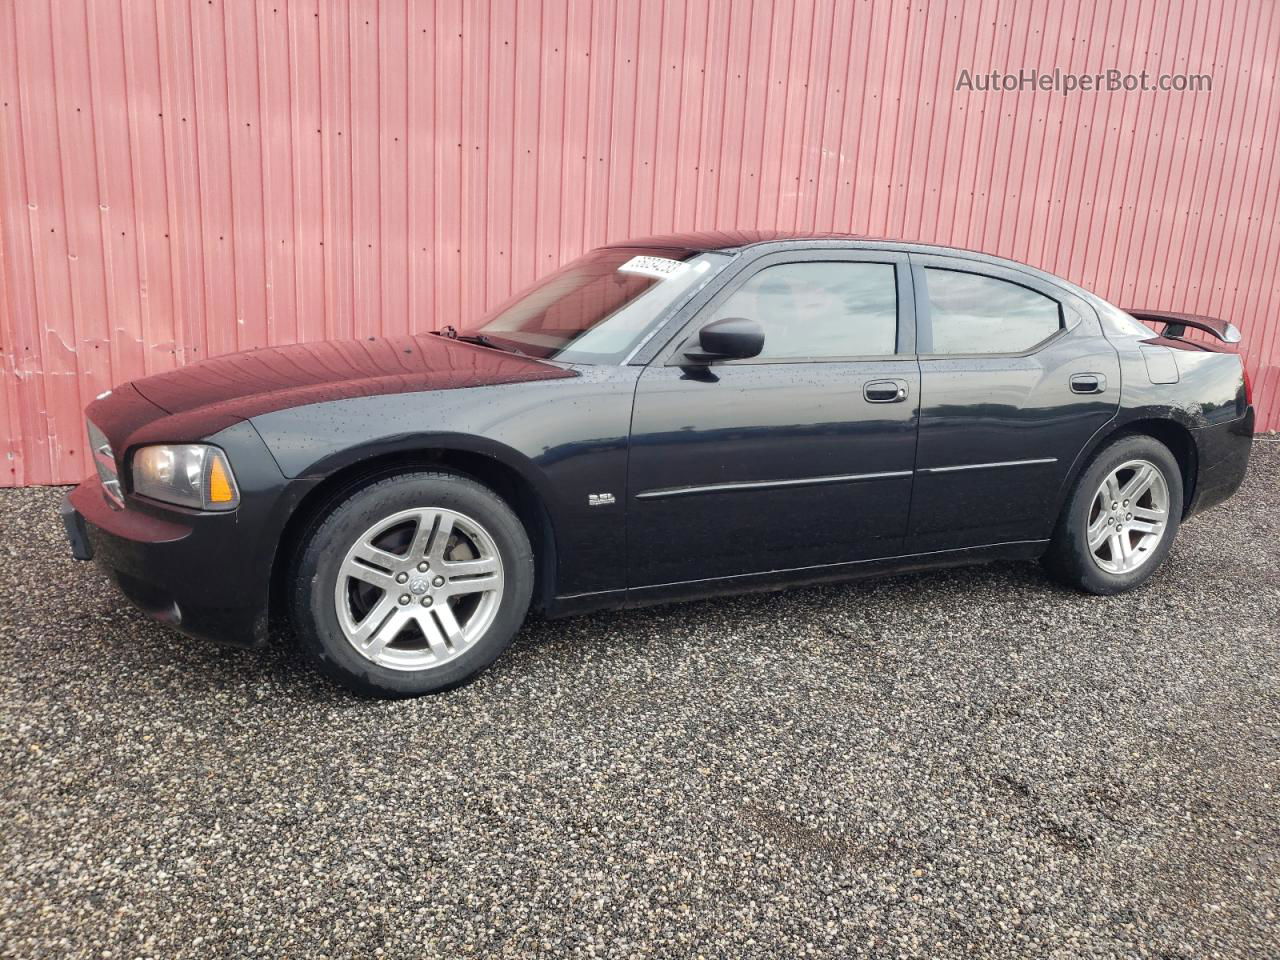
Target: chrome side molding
(987, 466)
(663, 493)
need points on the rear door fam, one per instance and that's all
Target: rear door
(799, 457)
(1015, 378)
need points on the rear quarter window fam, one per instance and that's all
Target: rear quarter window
(973, 313)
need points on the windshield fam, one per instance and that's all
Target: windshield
(599, 307)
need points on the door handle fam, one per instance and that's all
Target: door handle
(885, 391)
(1088, 383)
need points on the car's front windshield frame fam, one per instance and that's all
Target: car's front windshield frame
(635, 319)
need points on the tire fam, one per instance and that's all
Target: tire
(1104, 570)
(378, 600)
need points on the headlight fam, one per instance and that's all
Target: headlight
(188, 474)
(105, 462)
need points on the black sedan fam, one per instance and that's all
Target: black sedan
(661, 419)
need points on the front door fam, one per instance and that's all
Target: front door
(1015, 377)
(800, 457)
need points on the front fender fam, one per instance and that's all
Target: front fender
(415, 442)
(567, 438)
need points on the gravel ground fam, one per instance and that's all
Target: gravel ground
(964, 763)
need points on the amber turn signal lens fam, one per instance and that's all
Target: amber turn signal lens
(220, 490)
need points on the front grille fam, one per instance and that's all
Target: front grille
(105, 461)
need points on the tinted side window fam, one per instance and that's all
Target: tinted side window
(976, 314)
(820, 309)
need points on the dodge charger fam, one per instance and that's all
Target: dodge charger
(661, 419)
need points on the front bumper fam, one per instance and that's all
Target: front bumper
(194, 571)
(77, 530)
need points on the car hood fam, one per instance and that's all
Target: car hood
(210, 395)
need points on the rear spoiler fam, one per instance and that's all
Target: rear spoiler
(1175, 324)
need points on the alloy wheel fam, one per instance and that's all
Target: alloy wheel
(1128, 516)
(419, 588)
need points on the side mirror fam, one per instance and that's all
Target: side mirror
(730, 338)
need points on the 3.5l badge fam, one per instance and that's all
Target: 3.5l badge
(600, 499)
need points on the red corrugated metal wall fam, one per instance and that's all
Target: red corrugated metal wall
(182, 178)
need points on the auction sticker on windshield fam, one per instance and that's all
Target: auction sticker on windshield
(660, 268)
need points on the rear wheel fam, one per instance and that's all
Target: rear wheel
(1121, 519)
(413, 584)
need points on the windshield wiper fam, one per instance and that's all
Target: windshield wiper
(482, 340)
(451, 333)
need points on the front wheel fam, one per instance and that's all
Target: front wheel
(1121, 519)
(412, 585)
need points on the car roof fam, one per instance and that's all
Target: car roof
(708, 240)
(732, 241)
